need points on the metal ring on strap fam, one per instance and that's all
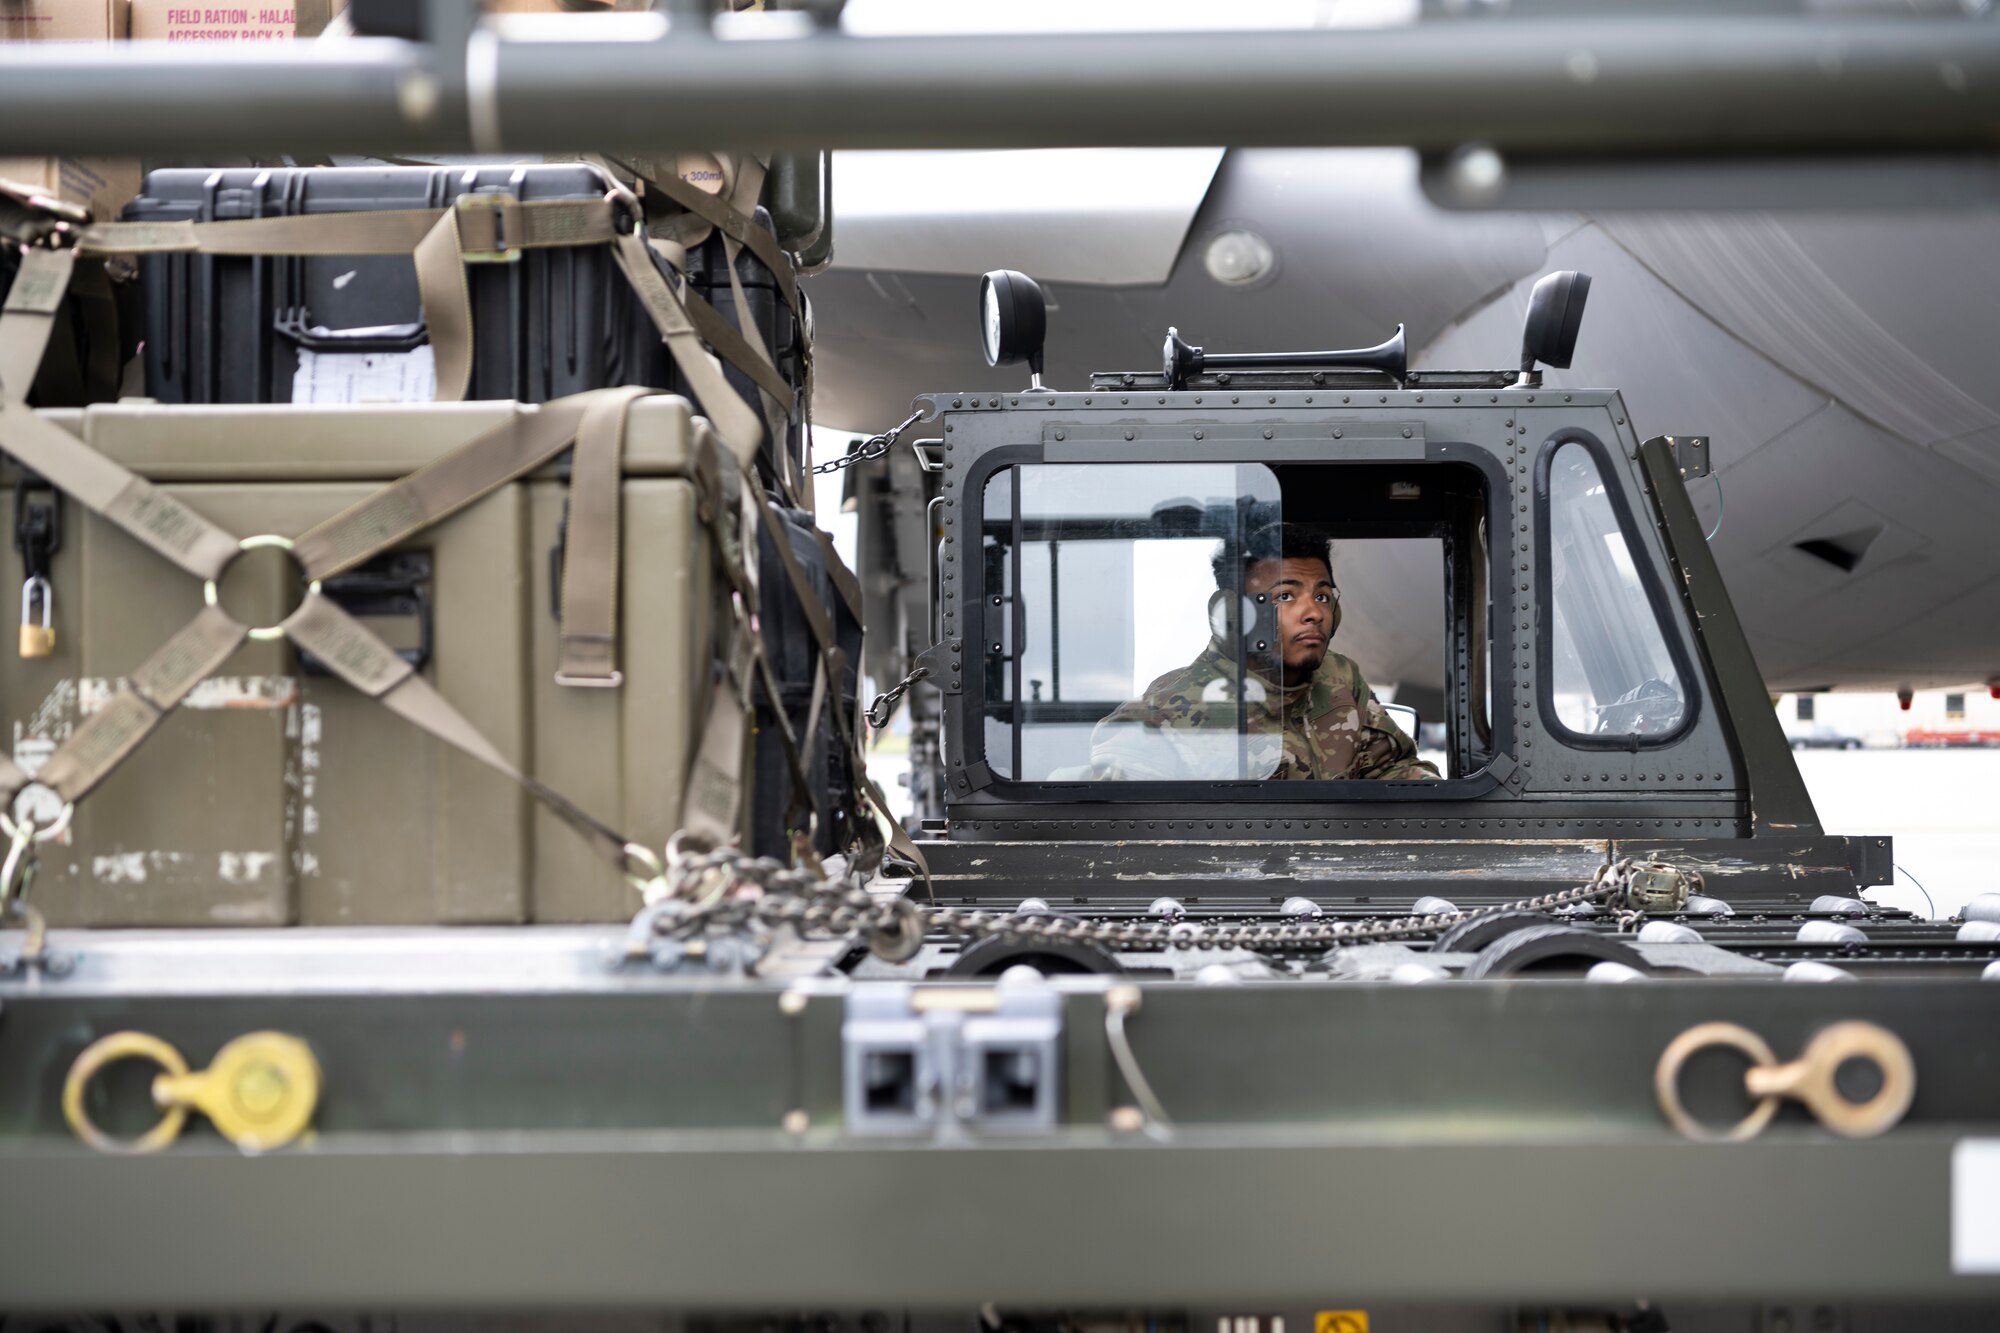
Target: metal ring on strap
(1667, 1080)
(55, 829)
(262, 541)
(107, 1050)
(1811, 1079)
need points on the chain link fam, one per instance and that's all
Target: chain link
(884, 707)
(876, 446)
(736, 890)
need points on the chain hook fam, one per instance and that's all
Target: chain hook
(18, 868)
(884, 705)
(874, 447)
(651, 879)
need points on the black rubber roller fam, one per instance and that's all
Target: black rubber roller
(994, 955)
(1475, 933)
(1551, 949)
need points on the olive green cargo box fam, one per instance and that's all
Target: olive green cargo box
(278, 796)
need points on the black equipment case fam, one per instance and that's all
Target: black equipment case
(330, 328)
(240, 330)
(95, 334)
(795, 662)
(783, 338)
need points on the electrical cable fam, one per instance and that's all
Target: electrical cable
(1119, 1001)
(1920, 889)
(1720, 506)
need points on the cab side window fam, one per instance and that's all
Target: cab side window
(1610, 673)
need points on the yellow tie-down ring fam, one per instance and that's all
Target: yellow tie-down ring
(260, 1091)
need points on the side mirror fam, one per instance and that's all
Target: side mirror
(1013, 321)
(1555, 312)
(1405, 717)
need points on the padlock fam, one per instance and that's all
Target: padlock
(38, 637)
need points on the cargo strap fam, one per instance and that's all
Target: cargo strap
(353, 652)
(319, 626)
(443, 487)
(733, 418)
(104, 738)
(491, 225)
(477, 228)
(743, 346)
(712, 802)
(719, 213)
(130, 501)
(747, 351)
(349, 649)
(496, 228)
(596, 423)
(833, 662)
(30, 316)
(747, 354)
(711, 808)
(447, 484)
(744, 191)
(588, 651)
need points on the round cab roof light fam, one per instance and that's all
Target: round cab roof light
(1013, 319)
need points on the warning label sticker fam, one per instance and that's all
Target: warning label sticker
(1340, 1321)
(1975, 1206)
(365, 377)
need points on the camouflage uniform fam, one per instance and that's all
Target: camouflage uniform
(1185, 727)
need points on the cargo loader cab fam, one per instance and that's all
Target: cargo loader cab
(1599, 693)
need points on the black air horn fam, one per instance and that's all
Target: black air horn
(1182, 361)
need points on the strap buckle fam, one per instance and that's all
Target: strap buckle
(490, 229)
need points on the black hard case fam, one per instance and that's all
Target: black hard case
(795, 662)
(555, 322)
(229, 330)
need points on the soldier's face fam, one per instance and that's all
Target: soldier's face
(1302, 591)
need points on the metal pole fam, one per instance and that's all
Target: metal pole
(134, 98)
(1594, 86)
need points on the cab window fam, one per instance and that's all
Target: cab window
(1611, 675)
(1141, 621)
(1098, 583)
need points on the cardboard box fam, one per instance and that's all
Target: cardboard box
(63, 20)
(558, 6)
(104, 185)
(180, 21)
(101, 184)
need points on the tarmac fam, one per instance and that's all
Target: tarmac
(1941, 806)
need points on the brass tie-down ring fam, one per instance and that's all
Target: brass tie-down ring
(1808, 1079)
(260, 1091)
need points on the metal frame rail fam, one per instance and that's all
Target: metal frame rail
(1576, 87)
(591, 1136)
